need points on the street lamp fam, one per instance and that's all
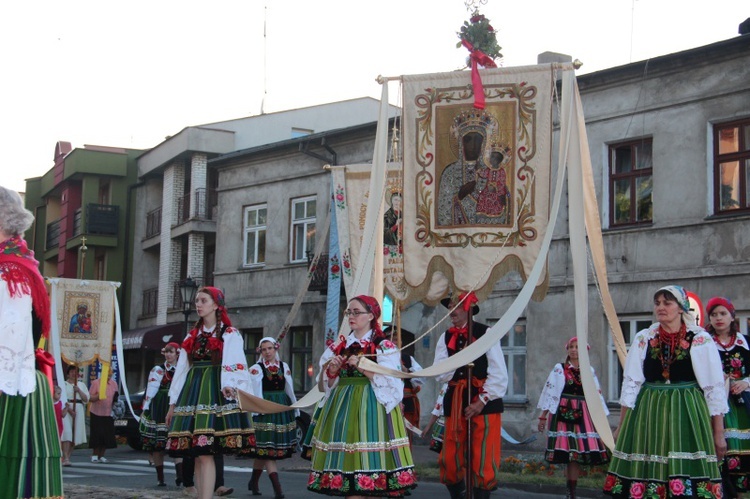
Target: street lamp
(188, 288)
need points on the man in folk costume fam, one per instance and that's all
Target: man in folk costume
(487, 382)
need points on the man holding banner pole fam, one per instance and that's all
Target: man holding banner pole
(470, 458)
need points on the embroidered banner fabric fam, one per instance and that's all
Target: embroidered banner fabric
(351, 199)
(84, 315)
(476, 182)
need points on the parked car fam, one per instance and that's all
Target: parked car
(127, 426)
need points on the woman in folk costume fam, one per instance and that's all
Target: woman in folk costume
(153, 428)
(572, 438)
(275, 434)
(74, 420)
(671, 430)
(735, 357)
(204, 417)
(360, 447)
(29, 445)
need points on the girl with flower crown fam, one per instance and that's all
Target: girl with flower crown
(152, 427)
(735, 357)
(360, 447)
(572, 438)
(275, 434)
(204, 417)
(671, 431)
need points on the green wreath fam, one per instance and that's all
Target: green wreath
(481, 35)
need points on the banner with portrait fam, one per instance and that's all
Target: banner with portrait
(351, 198)
(83, 313)
(476, 182)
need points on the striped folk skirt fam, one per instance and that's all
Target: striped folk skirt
(204, 421)
(29, 445)
(436, 440)
(572, 437)
(307, 442)
(737, 433)
(275, 434)
(665, 447)
(358, 448)
(153, 429)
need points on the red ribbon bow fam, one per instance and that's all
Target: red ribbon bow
(478, 58)
(457, 332)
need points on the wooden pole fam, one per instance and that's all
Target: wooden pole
(469, 366)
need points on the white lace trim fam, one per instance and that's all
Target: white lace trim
(694, 456)
(573, 434)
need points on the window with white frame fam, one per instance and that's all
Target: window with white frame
(732, 167)
(629, 326)
(255, 235)
(514, 351)
(302, 237)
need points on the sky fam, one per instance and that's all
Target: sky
(128, 74)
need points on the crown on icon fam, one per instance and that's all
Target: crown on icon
(475, 121)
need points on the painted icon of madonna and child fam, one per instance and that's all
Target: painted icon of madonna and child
(474, 189)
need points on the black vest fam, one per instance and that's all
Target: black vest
(479, 371)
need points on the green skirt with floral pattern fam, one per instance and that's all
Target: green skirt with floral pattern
(665, 447)
(358, 448)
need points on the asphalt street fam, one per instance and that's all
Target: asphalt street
(127, 474)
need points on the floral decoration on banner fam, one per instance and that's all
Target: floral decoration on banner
(480, 35)
(346, 262)
(334, 267)
(340, 199)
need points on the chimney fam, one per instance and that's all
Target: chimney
(548, 57)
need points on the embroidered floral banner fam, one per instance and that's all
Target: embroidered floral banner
(351, 199)
(84, 312)
(476, 182)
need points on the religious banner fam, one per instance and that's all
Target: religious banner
(351, 198)
(476, 181)
(84, 315)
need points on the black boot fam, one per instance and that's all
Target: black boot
(160, 475)
(278, 494)
(480, 493)
(178, 474)
(252, 485)
(571, 486)
(457, 490)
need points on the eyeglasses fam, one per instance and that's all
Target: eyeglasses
(355, 313)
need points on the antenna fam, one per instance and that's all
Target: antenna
(632, 27)
(265, 59)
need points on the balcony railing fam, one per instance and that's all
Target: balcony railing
(150, 301)
(204, 201)
(319, 280)
(53, 235)
(153, 223)
(101, 219)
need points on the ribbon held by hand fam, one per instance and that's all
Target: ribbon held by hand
(478, 58)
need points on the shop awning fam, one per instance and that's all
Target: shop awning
(153, 337)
